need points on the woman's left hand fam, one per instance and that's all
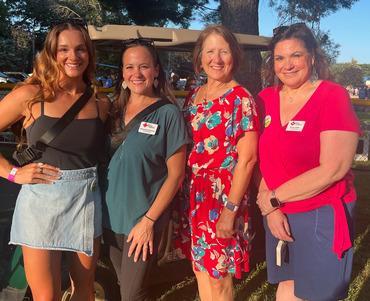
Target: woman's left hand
(263, 202)
(142, 239)
(225, 227)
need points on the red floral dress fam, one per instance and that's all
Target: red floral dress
(214, 127)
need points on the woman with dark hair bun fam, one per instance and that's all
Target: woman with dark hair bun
(147, 168)
(309, 135)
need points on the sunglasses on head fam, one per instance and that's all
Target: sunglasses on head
(73, 21)
(137, 41)
(282, 29)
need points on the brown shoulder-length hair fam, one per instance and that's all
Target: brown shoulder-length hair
(46, 70)
(229, 37)
(121, 96)
(301, 32)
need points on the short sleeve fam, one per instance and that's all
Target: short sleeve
(175, 133)
(338, 112)
(245, 117)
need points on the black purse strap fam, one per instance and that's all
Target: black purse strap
(121, 136)
(34, 152)
(63, 122)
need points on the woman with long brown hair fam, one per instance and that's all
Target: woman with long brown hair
(59, 205)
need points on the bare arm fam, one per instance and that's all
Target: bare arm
(12, 108)
(336, 155)
(142, 234)
(247, 157)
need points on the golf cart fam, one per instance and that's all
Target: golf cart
(107, 39)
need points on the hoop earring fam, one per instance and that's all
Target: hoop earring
(314, 76)
(124, 85)
(155, 83)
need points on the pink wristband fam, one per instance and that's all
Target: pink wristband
(12, 173)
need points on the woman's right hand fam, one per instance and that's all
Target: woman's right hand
(37, 173)
(279, 225)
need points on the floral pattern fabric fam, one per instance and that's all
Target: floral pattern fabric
(214, 127)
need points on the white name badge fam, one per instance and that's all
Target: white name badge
(148, 128)
(295, 126)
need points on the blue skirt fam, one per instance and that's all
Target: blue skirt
(63, 216)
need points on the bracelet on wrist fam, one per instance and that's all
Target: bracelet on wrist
(12, 173)
(149, 218)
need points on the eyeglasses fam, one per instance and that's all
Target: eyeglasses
(282, 29)
(73, 21)
(137, 41)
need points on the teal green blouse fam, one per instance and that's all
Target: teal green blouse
(138, 170)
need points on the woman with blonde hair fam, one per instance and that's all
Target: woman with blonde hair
(222, 120)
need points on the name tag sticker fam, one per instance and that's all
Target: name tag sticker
(295, 126)
(148, 128)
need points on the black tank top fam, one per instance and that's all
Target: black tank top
(77, 146)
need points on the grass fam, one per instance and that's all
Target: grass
(254, 286)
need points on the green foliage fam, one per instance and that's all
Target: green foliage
(365, 69)
(308, 10)
(4, 21)
(11, 57)
(30, 19)
(351, 76)
(328, 45)
(160, 12)
(311, 12)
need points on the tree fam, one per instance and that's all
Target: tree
(351, 76)
(30, 19)
(311, 12)
(241, 16)
(366, 69)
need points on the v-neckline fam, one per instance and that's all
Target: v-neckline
(299, 111)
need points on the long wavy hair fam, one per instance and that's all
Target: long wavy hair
(46, 70)
(301, 32)
(229, 37)
(122, 96)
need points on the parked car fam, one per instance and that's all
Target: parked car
(12, 277)
(20, 76)
(7, 80)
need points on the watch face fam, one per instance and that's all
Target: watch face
(274, 202)
(230, 206)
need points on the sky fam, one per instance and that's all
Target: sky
(349, 28)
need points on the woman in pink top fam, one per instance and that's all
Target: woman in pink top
(309, 136)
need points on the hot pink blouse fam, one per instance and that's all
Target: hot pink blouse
(287, 151)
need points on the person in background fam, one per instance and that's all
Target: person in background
(190, 83)
(222, 119)
(309, 135)
(146, 170)
(174, 82)
(59, 205)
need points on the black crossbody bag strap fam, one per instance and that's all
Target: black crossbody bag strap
(34, 151)
(63, 122)
(134, 121)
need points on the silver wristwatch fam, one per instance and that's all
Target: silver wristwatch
(231, 206)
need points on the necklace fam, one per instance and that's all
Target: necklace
(290, 97)
(206, 95)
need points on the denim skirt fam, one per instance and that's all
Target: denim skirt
(64, 216)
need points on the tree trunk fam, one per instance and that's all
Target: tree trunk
(241, 16)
